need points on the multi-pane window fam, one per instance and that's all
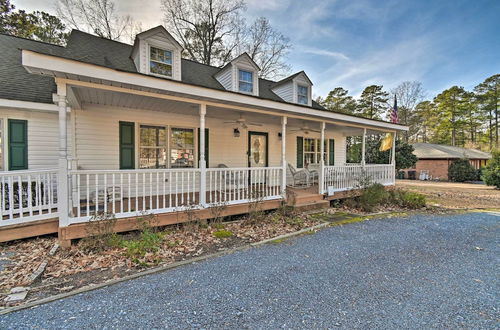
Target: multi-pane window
(312, 151)
(302, 94)
(160, 62)
(1, 145)
(153, 147)
(181, 147)
(245, 81)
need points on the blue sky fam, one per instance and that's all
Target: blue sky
(355, 43)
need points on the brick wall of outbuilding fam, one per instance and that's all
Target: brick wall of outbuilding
(438, 168)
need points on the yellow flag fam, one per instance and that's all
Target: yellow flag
(386, 142)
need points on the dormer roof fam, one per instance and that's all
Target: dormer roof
(159, 29)
(241, 57)
(292, 77)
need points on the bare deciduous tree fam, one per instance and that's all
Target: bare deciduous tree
(94, 16)
(214, 31)
(409, 94)
(207, 29)
(267, 47)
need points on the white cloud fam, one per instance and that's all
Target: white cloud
(324, 52)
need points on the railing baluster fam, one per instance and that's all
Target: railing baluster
(30, 201)
(78, 186)
(105, 196)
(20, 195)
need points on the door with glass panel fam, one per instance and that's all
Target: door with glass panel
(258, 150)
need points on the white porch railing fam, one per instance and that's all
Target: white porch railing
(342, 178)
(126, 193)
(27, 196)
(241, 185)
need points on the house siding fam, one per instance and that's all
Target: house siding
(43, 137)
(285, 91)
(225, 78)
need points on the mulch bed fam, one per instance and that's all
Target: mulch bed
(80, 266)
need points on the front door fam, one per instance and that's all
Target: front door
(258, 154)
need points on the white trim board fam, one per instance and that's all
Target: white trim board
(16, 104)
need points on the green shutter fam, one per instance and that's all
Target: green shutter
(127, 145)
(18, 144)
(300, 152)
(206, 146)
(331, 152)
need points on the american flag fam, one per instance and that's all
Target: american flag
(394, 112)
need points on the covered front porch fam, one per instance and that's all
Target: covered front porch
(128, 150)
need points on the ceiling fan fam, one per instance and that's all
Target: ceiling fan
(305, 128)
(242, 122)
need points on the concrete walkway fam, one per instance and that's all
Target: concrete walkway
(418, 272)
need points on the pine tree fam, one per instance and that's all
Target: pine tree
(338, 100)
(488, 96)
(373, 102)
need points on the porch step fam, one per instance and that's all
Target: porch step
(309, 206)
(308, 198)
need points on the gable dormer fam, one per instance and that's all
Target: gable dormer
(296, 88)
(157, 53)
(240, 75)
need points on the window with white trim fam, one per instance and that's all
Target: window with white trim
(245, 79)
(1, 146)
(181, 147)
(312, 151)
(302, 94)
(152, 147)
(160, 61)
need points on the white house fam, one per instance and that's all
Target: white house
(102, 126)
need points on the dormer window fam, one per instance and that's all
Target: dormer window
(302, 95)
(160, 62)
(245, 81)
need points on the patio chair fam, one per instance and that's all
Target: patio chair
(231, 182)
(313, 170)
(299, 177)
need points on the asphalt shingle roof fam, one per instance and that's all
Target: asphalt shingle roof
(16, 83)
(441, 151)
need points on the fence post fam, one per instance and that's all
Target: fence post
(203, 162)
(62, 179)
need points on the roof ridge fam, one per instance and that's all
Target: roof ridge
(28, 39)
(99, 37)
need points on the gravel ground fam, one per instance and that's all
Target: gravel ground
(418, 272)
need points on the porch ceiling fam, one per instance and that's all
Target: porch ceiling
(84, 96)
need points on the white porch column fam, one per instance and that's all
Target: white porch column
(202, 161)
(321, 175)
(393, 157)
(62, 179)
(283, 156)
(363, 148)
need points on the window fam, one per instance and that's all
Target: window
(160, 62)
(1, 145)
(153, 147)
(302, 94)
(181, 147)
(245, 81)
(312, 151)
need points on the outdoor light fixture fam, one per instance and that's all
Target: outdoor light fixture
(280, 135)
(236, 132)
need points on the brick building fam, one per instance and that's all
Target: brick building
(435, 158)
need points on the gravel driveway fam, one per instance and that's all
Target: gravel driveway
(417, 272)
